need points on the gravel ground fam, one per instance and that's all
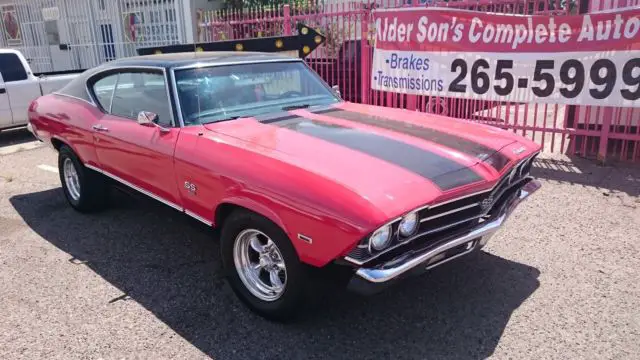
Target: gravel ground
(142, 281)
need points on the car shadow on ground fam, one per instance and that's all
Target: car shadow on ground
(15, 136)
(170, 265)
(623, 178)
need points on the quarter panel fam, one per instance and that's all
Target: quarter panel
(68, 120)
(21, 93)
(6, 117)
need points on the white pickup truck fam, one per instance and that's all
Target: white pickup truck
(19, 86)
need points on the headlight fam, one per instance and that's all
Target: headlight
(408, 224)
(381, 238)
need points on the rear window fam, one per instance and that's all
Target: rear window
(11, 68)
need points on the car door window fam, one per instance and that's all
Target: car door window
(12, 68)
(141, 91)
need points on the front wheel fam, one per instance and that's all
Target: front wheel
(262, 266)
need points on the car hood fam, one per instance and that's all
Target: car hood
(397, 160)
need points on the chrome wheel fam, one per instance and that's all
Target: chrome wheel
(71, 179)
(260, 265)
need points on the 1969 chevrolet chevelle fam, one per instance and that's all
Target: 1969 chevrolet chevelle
(258, 145)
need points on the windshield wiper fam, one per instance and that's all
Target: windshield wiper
(295, 107)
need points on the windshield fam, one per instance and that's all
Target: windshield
(218, 93)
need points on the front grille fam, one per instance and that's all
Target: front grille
(452, 216)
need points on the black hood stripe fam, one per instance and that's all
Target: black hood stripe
(479, 151)
(445, 173)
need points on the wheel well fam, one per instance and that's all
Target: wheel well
(224, 210)
(57, 144)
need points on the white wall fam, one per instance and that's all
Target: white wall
(95, 29)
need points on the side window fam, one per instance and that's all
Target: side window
(140, 91)
(12, 68)
(103, 89)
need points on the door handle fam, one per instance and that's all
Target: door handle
(3, 91)
(100, 128)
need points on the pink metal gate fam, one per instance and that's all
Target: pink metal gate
(345, 60)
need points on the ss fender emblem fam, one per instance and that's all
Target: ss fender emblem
(519, 150)
(191, 187)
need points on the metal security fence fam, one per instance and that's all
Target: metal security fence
(58, 35)
(345, 60)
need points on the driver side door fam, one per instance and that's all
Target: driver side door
(140, 156)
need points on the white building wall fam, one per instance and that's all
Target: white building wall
(90, 32)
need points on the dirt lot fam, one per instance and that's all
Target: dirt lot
(142, 281)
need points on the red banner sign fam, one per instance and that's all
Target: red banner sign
(589, 59)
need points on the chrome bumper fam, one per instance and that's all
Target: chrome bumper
(476, 238)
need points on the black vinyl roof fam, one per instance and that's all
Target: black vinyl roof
(190, 58)
(77, 87)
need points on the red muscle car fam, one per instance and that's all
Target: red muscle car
(258, 145)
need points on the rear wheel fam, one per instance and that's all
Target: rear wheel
(85, 190)
(262, 266)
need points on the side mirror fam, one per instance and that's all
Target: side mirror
(147, 118)
(336, 89)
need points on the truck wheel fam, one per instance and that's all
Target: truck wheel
(85, 189)
(262, 266)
